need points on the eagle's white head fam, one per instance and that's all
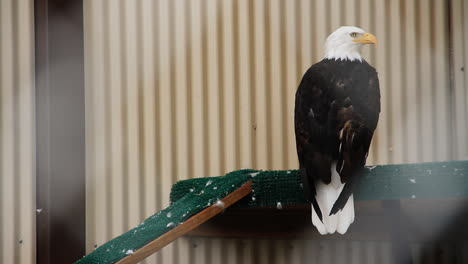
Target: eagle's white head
(346, 43)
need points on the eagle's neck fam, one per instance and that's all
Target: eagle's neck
(345, 51)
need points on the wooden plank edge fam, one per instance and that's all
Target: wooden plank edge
(187, 226)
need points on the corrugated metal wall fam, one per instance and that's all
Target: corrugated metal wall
(17, 144)
(177, 89)
(459, 75)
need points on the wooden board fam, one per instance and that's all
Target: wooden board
(193, 222)
(422, 219)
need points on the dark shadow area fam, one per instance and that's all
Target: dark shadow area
(417, 230)
(60, 129)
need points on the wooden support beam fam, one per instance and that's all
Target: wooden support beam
(192, 223)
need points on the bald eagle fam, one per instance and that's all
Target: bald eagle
(336, 112)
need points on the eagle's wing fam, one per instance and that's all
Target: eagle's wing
(311, 128)
(357, 119)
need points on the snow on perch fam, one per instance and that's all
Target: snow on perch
(220, 204)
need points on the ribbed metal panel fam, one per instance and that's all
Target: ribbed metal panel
(459, 47)
(191, 88)
(17, 159)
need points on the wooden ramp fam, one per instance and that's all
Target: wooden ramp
(190, 224)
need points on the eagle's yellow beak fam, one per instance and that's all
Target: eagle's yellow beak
(366, 38)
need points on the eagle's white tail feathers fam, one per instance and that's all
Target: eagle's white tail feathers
(326, 197)
(317, 223)
(346, 216)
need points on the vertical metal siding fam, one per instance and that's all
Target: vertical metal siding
(459, 77)
(193, 88)
(17, 145)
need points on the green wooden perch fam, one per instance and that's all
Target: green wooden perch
(195, 201)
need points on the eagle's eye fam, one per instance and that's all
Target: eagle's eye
(354, 34)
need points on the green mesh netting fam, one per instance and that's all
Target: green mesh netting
(384, 182)
(270, 188)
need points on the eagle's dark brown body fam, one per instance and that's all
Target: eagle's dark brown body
(336, 113)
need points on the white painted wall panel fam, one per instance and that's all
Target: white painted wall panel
(17, 130)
